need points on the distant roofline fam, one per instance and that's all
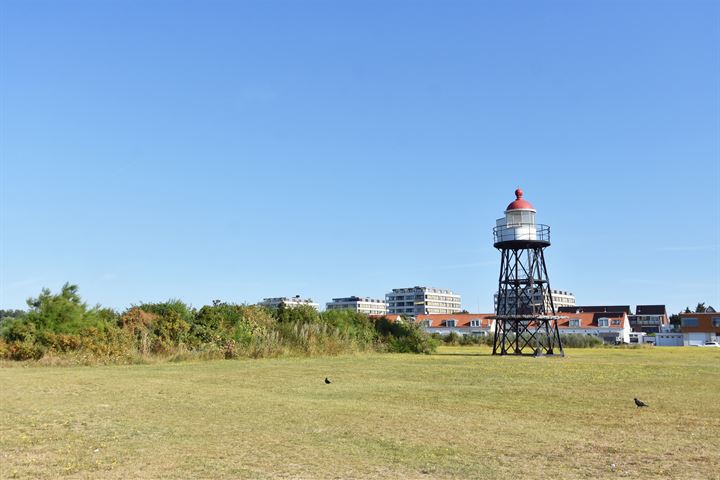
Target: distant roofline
(296, 298)
(596, 309)
(355, 298)
(416, 287)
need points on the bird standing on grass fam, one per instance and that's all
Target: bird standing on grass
(640, 403)
(327, 381)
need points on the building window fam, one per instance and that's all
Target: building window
(476, 323)
(616, 322)
(574, 322)
(427, 323)
(602, 322)
(450, 323)
(689, 322)
(716, 322)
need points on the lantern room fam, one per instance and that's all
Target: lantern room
(518, 225)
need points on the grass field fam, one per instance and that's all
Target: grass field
(458, 414)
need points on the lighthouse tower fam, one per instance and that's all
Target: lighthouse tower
(525, 319)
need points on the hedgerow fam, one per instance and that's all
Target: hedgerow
(61, 324)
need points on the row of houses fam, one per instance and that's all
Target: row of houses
(612, 324)
(439, 311)
(612, 327)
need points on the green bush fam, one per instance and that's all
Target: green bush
(451, 338)
(159, 328)
(358, 327)
(64, 329)
(60, 323)
(64, 312)
(405, 337)
(474, 339)
(299, 314)
(576, 340)
(223, 322)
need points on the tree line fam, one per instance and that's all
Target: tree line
(62, 324)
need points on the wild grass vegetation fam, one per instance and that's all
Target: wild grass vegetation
(459, 413)
(61, 328)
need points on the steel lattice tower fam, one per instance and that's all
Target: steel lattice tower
(525, 319)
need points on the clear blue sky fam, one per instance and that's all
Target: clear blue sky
(236, 150)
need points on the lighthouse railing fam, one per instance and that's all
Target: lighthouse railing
(537, 232)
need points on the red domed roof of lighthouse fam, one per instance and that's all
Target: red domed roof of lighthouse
(519, 203)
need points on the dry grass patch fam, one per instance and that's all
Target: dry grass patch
(458, 414)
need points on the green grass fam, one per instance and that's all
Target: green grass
(458, 414)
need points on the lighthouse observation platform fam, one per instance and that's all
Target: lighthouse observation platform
(521, 236)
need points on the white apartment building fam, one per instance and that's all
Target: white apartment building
(370, 306)
(422, 300)
(290, 302)
(560, 298)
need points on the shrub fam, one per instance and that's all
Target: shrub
(298, 314)
(158, 327)
(64, 312)
(138, 324)
(405, 337)
(356, 326)
(451, 338)
(58, 323)
(413, 343)
(19, 330)
(62, 328)
(568, 340)
(222, 322)
(473, 339)
(576, 340)
(25, 350)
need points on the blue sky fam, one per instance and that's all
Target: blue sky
(237, 150)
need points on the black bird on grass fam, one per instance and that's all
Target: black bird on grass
(640, 403)
(327, 381)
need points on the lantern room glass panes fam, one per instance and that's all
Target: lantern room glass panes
(520, 217)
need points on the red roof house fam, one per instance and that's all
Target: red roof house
(461, 323)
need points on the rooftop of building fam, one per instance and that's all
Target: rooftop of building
(596, 308)
(355, 298)
(554, 292)
(706, 313)
(296, 298)
(393, 317)
(590, 319)
(463, 320)
(650, 310)
(429, 289)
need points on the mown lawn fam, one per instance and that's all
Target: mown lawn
(458, 414)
